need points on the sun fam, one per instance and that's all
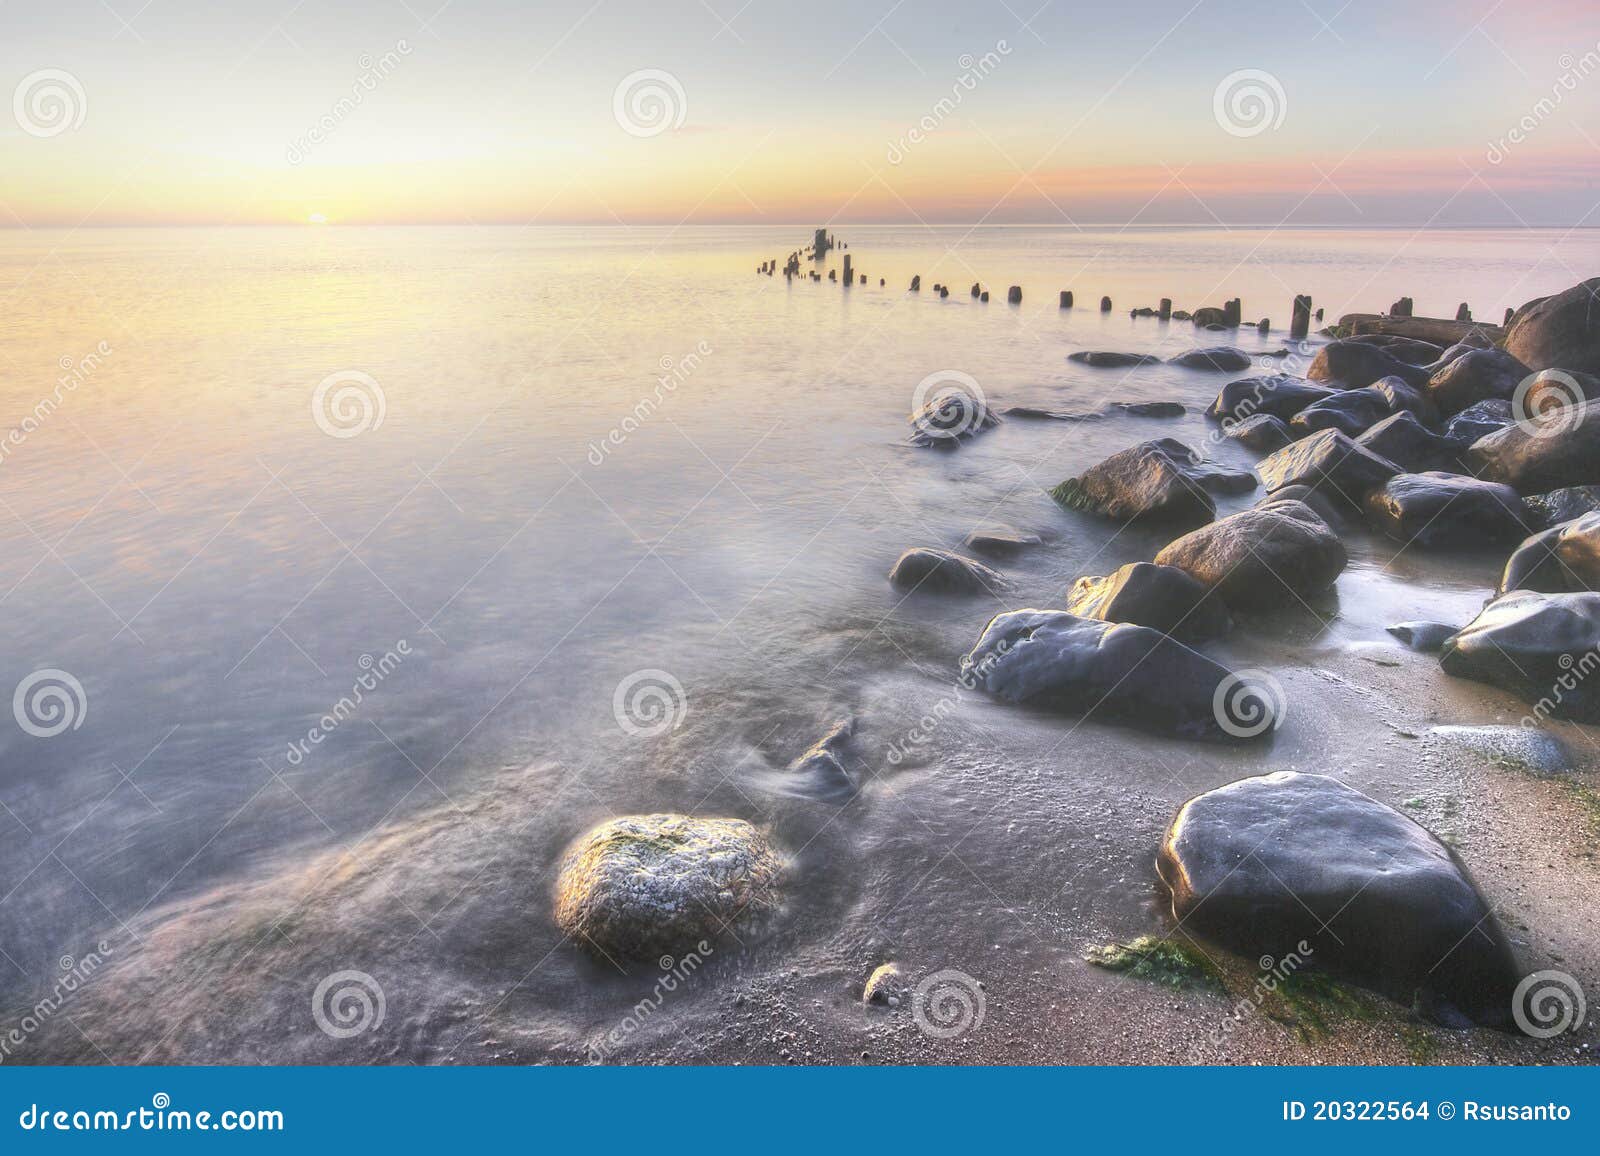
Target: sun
(317, 219)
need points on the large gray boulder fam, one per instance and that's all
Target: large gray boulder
(1403, 440)
(1113, 672)
(942, 572)
(1215, 357)
(1104, 359)
(640, 885)
(1264, 864)
(1265, 556)
(1437, 509)
(1163, 598)
(1330, 463)
(1540, 647)
(1355, 364)
(950, 418)
(1263, 433)
(1559, 332)
(1535, 457)
(1157, 480)
(1350, 412)
(1481, 375)
(1563, 559)
(1279, 394)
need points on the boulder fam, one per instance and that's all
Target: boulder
(1264, 556)
(1338, 516)
(1407, 349)
(1264, 864)
(942, 572)
(1355, 365)
(1219, 357)
(1263, 433)
(1427, 637)
(1402, 440)
(950, 417)
(1437, 509)
(1560, 560)
(1280, 395)
(1559, 332)
(1331, 463)
(1408, 398)
(1562, 505)
(1163, 480)
(1534, 458)
(1350, 412)
(1537, 750)
(1540, 647)
(1480, 420)
(1209, 317)
(1480, 375)
(1163, 598)
(1000, 540)
(1101, 359)
(1148, 408)
(641, 885)
(1110, 672)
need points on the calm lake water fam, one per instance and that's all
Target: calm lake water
(551, 459)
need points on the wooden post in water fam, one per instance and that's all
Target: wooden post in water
(1105, 305)
(1263, 327)
(1300, 323)
(1014, 295)
(1066, 299)
(849, 277)
(916, 282)
(1165, 313)
(1510, 312)
(984, 297)
(1232, 313)
(1463, 313)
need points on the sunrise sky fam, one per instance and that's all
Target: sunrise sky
(206, 111)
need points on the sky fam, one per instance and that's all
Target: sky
(1366, 112)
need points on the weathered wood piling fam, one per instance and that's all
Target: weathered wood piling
(1066, 299)
(1105, 305)
(1300, 323)
(1014, 295)
(1165, 312)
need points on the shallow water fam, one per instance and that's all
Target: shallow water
(519, 536)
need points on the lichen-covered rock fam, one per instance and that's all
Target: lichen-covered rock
(942, 572)
(640, 885)
(1332, 464)
(1540, 647)
(1265, 556)
(1157, 480)
(1115, 672)
(1163, 598)
(1437, 509)
(1529, 747)
(1264, 864)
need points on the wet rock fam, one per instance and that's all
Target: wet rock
(1163, 598)
(1355, 365)
(1263, 433)
(1563, 559)
(1407, 398)
(1330, 463)
(1559, 332)
(933, 571)
(1407, 349)
(950, 418)
(1402, 440)
(1102, 359)
(1537, 458)
(1481, 375)
(1537, 750)
(1000, 540)
(1265, 863)
(1132, 408)
(1264, 556)
(1112, 672)
(820, 772)
(1540, 647)
(1218, 357)
(1350, 412)
(641, 885)
(1426, 637)
(1563, 505)
(1210, 317)
(885, 986)
(1280, 394)
(1163, 480)
(1338, 516)
(1480, 420)
(1149, 408)
(1437, 509)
